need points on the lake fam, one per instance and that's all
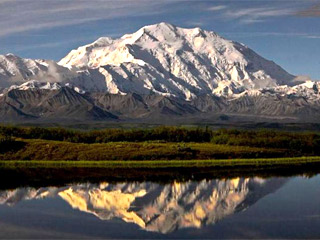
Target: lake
(241, 207)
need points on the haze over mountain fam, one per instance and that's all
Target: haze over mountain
(160, 70)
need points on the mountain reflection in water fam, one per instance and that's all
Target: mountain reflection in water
(156, 207)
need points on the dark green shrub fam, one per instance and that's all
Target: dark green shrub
(7, 144)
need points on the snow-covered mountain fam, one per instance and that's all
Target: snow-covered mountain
(159, 70)
(157, 207)
(179, 62)
(16, 70)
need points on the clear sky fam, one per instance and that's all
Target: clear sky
(285, 31)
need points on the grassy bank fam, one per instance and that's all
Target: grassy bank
(36, 149)
(44, 156)
(294, 142)
(217, 163)
(154, 144)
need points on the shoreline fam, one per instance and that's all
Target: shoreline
(218, 163)
(15, 174)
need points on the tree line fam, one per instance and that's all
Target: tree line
(304, 142)
(167, 134)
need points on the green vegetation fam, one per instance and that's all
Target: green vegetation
(259, 162)
(33, 156)
(7, 143)
(161, 143)
(167, 134)
(303, 142)
(37, 149)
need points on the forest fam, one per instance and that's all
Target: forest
(160, 143)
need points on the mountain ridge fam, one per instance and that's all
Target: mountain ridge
(184, 62)
(160, 70)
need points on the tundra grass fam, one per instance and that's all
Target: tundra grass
(35, 149)
(214, 163)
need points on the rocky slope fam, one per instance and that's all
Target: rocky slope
(53, 102)
(34, 100)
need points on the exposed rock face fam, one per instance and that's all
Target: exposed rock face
(59, 103)
(54, 101)
(155, 207)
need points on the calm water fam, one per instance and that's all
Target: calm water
(228, 208)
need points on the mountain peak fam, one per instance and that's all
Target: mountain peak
(160, 26)
(10, 55)
(179, 62)
(102, 41)
(174, 71)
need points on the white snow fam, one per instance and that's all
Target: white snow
(159, 58)
(33, 84)
(175, 61)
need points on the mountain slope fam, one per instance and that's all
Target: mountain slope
(159, 72)
(177, 62)
(57, 103)
(16, 70)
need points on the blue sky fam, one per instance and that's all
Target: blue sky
(285, 31)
